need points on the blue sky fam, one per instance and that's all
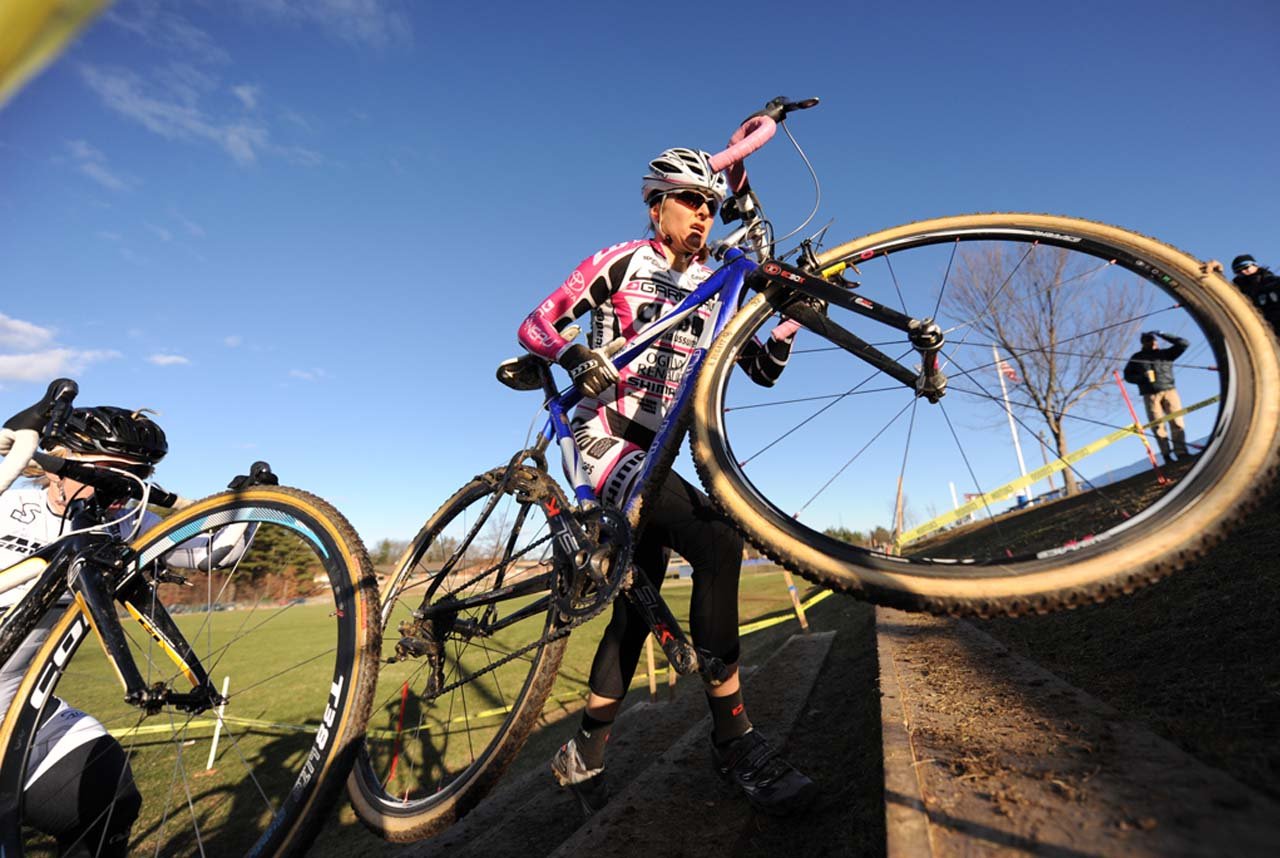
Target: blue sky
(306, 232)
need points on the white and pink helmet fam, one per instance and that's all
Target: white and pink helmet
(680, 169)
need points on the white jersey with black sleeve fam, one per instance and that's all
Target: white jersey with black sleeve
(28, 524)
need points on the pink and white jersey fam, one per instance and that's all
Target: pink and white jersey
(625, 287)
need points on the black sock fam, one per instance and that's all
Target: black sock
(728, 716)
(590, 740)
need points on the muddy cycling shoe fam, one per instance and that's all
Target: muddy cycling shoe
(587, 785)
(770, 782)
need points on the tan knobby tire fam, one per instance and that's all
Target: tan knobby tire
(301, 675)
(1232, 474)
(434, 798)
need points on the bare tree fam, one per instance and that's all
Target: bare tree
(1059, 317)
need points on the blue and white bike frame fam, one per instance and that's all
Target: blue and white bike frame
(728, 282)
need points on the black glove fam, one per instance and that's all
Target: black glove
(36, 417)
(592, 373)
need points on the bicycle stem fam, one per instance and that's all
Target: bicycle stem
(925, 336)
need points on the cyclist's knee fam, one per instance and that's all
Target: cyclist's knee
(87, 800)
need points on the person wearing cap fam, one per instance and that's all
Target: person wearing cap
(1151, 369)
(1260, 284)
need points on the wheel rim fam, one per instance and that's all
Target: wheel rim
(423, 752)
(266, 626)
(923, 269)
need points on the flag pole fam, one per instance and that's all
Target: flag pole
(1013, 429)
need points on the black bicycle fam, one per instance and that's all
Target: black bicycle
(238, 690)
(878, 403)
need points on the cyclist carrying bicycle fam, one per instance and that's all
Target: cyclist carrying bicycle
(624, 287)
(79, 787)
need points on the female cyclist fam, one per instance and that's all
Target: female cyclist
(624, 287)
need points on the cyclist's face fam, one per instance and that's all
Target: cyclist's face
(686, 224)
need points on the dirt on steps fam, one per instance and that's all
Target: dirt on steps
(835, 740)
(679, 791)
(1011, 760)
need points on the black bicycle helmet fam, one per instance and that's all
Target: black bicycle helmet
(105, 429)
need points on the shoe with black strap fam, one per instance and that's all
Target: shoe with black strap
(770, 782)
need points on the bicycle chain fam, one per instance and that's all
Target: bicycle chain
(554, 635)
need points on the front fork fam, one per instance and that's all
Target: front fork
(104, 575)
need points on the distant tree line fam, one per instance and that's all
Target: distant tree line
(876, 536)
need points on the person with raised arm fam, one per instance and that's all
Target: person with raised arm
(1151, 369)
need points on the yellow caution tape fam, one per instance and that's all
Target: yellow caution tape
(773, 621)
(199, 724)
(1039, 474)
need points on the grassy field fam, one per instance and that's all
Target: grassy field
(278, 678)
(763, 594)
(279, 663)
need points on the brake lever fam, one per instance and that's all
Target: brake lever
(62, 392)
(260, 474)
(778, 108)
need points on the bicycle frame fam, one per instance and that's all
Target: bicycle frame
(727, 281)
(98, 569)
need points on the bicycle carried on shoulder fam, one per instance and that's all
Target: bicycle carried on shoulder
(242, 705)
(477, 615)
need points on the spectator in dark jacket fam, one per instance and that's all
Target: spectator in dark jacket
(1262, 287)
(1152, 370)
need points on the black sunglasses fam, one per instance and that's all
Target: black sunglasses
(694, 200)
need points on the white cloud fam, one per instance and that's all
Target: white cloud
(247, 94)
(233, 341)
(178, 99)
(106, 235)
(127, 94)
(160, 232)
(308, 374)
(160, 24)
(372, 23)
(82, 151)
(93, 164)
(17, 334)
(51, 363)
(293, 117)
(167, 360)
(192, 228)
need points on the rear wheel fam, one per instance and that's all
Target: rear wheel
(459, 701)
(842, 474)
(287, 630)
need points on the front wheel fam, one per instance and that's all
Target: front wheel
(285, 624)
(1027, 486)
